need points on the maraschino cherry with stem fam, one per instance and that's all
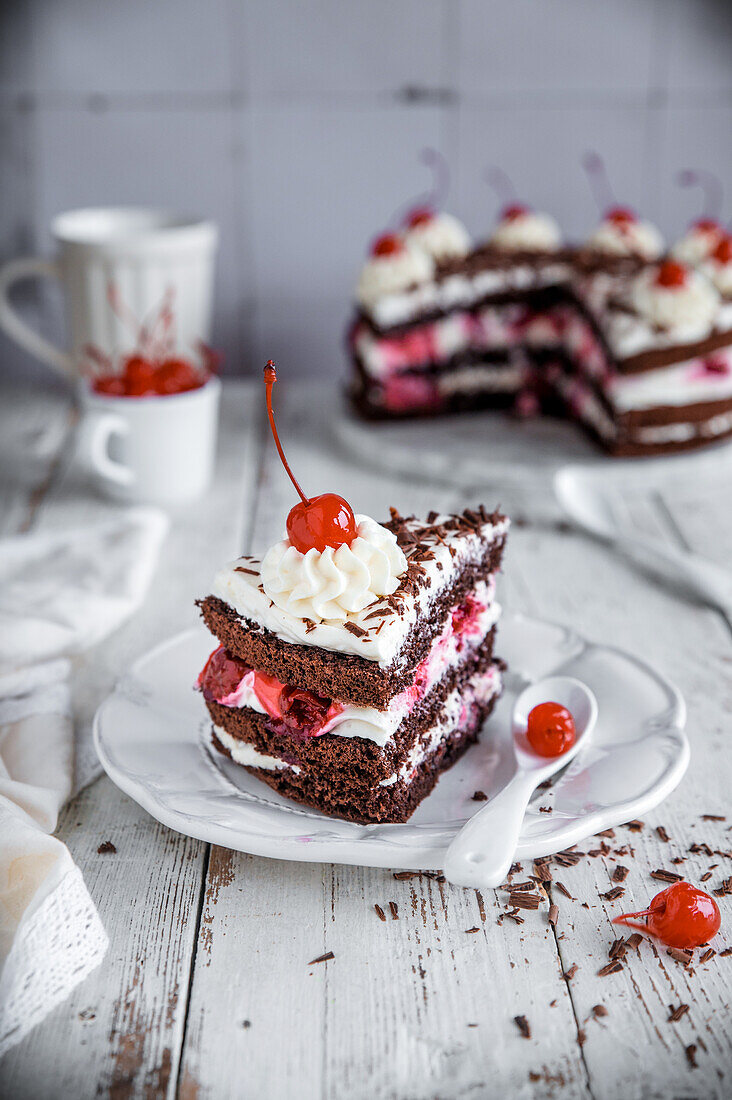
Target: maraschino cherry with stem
(506, 192)
(711, 185)
(315, 522)
(425, 208)
(622, 217)
(680, 916)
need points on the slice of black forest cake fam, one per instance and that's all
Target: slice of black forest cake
(350, 673)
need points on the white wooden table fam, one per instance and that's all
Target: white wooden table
(207, 989)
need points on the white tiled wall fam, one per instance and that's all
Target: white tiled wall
(297, 125)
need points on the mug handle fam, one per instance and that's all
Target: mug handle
(28, 268)
(98, 430)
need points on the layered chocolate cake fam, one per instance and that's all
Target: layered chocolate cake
(355, 659)
(635, 347)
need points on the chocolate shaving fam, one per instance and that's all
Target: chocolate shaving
(543, 872)
(569, 974)
(380, 912)
(680, 955)
(610, 968)
(725, 888)
(475, 929)
(663, 835)
(523, 1025)
(401, 875)
(620, 873)
(608, 833)
(522, 900)
(675, 1014)
(700, 849)
(611, 895)
(690, 1052)
(726, 953)
(713, 817)
(666, 876)
(568, 858)
(322, 958)
(563, 890)
(106, 848)
(618, 948)
(479, 796)
(394, 910)
(357, 631)
(377, 614)
(241, 569)
(708, 954)
(635, 940)
(634, 826)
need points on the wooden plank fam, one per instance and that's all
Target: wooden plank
(392, 1013)
(133, 1009)
(119, 1032)
(579, 582)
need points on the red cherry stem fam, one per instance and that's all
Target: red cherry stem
(270, 377)
(501, 184)
(628, 918)
(435, 197)
(602, 192)
(711, 186)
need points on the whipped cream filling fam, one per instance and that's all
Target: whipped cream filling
(334, 583)
(244, 753)
(447, 651)
(530, 231)
(493, 379)
(458, 705)
(687, 383)
(377, 638)
(383, 275)
(442, 236)
(635, 238)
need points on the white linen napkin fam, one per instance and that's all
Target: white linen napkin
(59, 594)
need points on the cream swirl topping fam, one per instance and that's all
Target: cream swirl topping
(442, 236)
(635, 238)
(391, 274)
(697, 244)
(720, 273)
(528, 230)
(331, 585)
(689, 309)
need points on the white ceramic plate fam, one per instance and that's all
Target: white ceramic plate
(152, 735)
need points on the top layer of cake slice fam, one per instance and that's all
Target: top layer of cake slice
(367, 655)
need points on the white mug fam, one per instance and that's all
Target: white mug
(144, 254)
(150, 450)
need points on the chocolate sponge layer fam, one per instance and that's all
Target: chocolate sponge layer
(343, 676)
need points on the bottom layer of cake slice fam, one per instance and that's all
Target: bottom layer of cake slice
(334, 782)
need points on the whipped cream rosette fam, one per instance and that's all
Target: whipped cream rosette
(333, 584)
(524, 229)
(688, 307)
(627, 237)
(441, 235)
(393, 272)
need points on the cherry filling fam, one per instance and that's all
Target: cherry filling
(296, 712)
(465, 617)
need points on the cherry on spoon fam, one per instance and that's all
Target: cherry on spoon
(313, 524)
(483, 851)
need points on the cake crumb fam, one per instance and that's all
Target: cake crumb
(106, 848)
(479, 796)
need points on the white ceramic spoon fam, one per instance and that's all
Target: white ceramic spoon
(482, 852)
